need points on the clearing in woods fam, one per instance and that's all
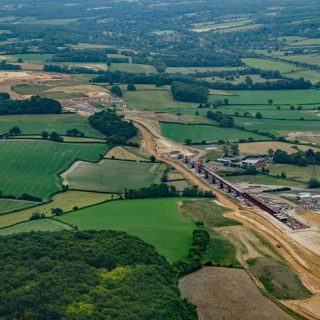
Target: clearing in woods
(112, 175)
(156, 221)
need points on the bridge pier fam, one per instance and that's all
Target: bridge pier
(221, 185)
(206, 176)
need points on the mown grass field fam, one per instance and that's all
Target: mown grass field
(33, 167)
(36, 225)
(156, 221)
(66, 201)
(8, 205)
(133, 68)
(198, 133)
(113, 175)
(267, 64)
(153, 99)
(288, 97)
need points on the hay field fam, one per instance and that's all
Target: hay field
(112, 175)
(263, 147)
(66, 201)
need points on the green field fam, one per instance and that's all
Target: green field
(271, 112)
(41, 58)
(312, 75)
(277, 126)
(305, 58)
(208, 212)
(113, 175)
(211, 26)
(156, 221)
(133, 68)
(288, 97)
(306, 42)
(188, 70)
(33, 166)
(36, 124)
(8, 205)
(36, 225)
(65, 200)
(198, 133)
(262, 179)
(267, 64)
(293, 172)
(153, 99)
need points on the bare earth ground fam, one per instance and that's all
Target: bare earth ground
(240, 299)
(304, 262)
(246, 242)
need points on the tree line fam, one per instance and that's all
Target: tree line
(223, 121)
(300, 158)
(164, 190)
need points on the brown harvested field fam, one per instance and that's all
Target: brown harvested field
(228, 294)
(263, 147)
(311, 216)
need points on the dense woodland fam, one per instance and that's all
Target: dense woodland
(113, 126)
(34, 105)
(87, 275)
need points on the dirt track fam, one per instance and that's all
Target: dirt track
(303, 261)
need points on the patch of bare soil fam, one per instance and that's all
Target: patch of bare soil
(247, 243)
(228, 294)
